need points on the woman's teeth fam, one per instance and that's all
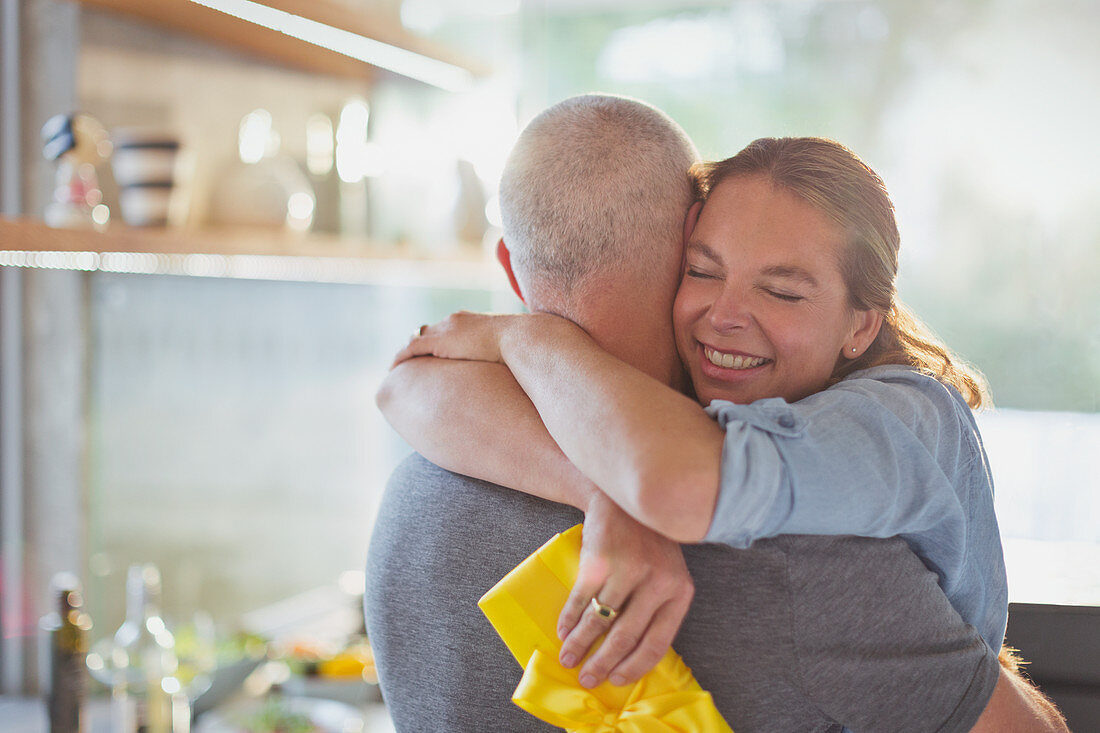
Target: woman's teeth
(729, 361)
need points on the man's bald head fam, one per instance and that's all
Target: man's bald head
(596, 187)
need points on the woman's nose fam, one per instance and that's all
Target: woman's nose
(729, 312)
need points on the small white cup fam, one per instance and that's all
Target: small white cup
(144, 164)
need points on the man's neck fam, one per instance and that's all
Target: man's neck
(637, 330)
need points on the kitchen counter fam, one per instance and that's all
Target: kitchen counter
(28, 715)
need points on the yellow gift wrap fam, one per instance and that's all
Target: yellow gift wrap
(524, 607)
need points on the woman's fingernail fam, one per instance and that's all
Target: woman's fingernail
(588, 681)
(568, 660)
(562, 632)
(618, 680)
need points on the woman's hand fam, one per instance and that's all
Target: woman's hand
(463, 335)
(635, 571)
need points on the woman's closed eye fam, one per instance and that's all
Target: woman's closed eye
(700, 273)
(784, 296)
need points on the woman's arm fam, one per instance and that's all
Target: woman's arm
(650, 448)
(473, 418)
(1019, 707)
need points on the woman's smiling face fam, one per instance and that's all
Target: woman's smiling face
(762, 309)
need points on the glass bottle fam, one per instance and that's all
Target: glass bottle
(144, 659)
(67, 628)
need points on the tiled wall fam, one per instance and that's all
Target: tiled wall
(233, 437)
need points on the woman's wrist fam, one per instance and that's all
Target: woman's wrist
(596, 500)
(510, 331)
(534, 334)
(573, 487)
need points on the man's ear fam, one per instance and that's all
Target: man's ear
(504, 257)
(690, 220)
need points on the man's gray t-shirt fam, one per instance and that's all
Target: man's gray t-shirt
(797, 633)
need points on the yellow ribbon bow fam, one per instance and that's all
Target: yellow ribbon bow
(523, 608)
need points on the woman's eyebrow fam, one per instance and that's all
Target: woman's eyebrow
(790, 272)
(705, 251)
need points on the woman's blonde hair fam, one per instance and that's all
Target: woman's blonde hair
(833, 180)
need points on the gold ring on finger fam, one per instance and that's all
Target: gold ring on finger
(603, 610)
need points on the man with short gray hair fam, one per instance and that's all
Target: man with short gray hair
(594, 184)
(593, 198)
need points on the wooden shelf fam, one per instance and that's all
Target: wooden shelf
(31, 235)
(245, 254)
(188, 17)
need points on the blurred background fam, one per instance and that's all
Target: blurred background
(216, 416)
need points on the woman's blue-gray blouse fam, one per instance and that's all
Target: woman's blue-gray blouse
(886, 452)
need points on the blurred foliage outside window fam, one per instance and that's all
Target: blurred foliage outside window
(977, 114)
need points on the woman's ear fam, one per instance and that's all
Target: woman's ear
(504, 257)
(690, 219)
(866, 326)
